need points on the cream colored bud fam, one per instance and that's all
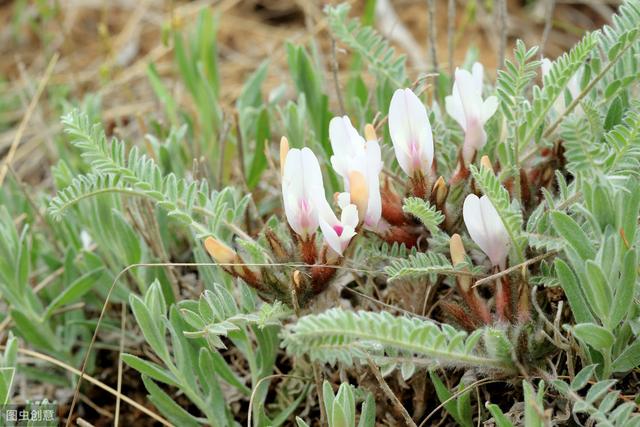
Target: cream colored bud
(284, 149)
(370, 132)
(457, 249)
(440, 191)
(457, 256)
(486, 163)
(297, 278)
(359, 193)
(220, 252)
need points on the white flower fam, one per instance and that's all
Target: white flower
(486, 228)
(466, 106)
(410, 132)
(86, 240)
(302, 191)
(338, 233)
(573, 86)
(352, 154)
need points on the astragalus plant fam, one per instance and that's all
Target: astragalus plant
(444, 244)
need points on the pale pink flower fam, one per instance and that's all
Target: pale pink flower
(302, 191)
(352, 154)
(486, 228)
(338, 233)
(466, 106)
(410, 132)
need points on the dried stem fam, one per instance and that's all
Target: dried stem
(502, 19)
(27, 117)
(548, 24)
(390, 395)
(432, 35)
(451, 34)
(509, 270)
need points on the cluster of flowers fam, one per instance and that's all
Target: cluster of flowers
(369, 204)
(357, 161)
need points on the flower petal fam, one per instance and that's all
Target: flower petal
(410, 132)
(472, 214)
(330, 236)
(453, 105)
(486, 228)
(477, 71)
(470, 96)
(489, 108)
(374, 166)
(349, 216)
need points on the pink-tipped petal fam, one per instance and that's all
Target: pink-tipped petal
(410, 132)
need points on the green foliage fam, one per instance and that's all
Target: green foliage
(515, 78)
(191, 358)
(458, 407)
(427, 214)
(420, 264)
(600, 279)
(133, 173)
(8, 369)
(344, 336)
(600, 404)
(555, 83)
(341, 408)
(371, 46)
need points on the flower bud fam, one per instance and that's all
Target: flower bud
(297, 278)
(284, 149)
(486, 163)
(359, 193)
(456, 247)
(439, 193)
(470, 295)
(370, 132)
(220, 252)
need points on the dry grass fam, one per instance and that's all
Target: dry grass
(105, 47)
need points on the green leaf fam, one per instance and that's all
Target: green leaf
(625, 290)
(152, 329)
(373, 47)
(251, 96)
(596, 336)
(427, 214)
(368, 412)
(76, 290)
(574, 294)
(567, 228)
(361, 333)
(582, 378)
(34, 332)
(533, 405)
(301, 423)
(259, 161)
(149, 369)
(167, 406)
(614, 114)
(284, 415)
(417, 265)
(629, 359)
(599, 294)
(6, 383)
(444, 396)
(162, 93)
(498, 416)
